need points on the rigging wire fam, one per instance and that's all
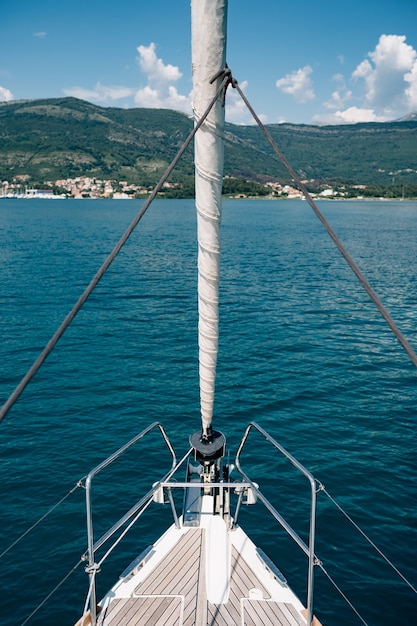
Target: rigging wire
(374, 297)
(87, 292)
(365, 284)
(319, 563)
(227, 80)
(369, 540)
(44, 516)
(343, 595)
(51, 593)
(76, 308)
(125, 531)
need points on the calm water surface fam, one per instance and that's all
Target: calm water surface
(302, 352)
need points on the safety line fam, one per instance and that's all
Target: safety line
(227, 80)
(365, 284)
(342, 594)
(44, 516)
(365, 536)
(78, 305)
(51, 593)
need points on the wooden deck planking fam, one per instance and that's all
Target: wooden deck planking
(111, 613)
(159, 611)
(259, 612)
(191, 595)
(242, 580)
(179, 581)
(187, 574)
(178, 573)
(217, 617)
(164, 578)
(255, 612)
(293, 612)
(267, 612)
(200, 601)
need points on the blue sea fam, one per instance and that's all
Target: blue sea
(302, 352)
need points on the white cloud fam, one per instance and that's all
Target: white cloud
(168, 98)
(411, 90)
(340, 96)
(5, 95)
(338, 99)
(388, 78)
(160, 91)
(40, 34)
(386, 75)
(353, 115)
(100, 93)
(154, 68)
(148, 97)
(298, 84)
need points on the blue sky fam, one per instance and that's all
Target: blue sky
(301, 62)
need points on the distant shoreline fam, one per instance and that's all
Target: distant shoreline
(226, 197)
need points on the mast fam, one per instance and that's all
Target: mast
(209, 19)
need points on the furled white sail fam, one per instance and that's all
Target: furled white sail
(208, 58)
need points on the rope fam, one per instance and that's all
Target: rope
(19, 539)
(227, 80)
(374, 297)
(87, 600)
(385, 314)
(78, 305)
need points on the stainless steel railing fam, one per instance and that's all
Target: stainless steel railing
(137, 510)
(308, 550)
(166, 485)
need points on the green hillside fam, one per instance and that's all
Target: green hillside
(48, 140)
(65, 138)
(372, 153)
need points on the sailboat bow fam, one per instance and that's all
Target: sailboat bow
(204, 570)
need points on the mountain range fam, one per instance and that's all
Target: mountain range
(52, 139)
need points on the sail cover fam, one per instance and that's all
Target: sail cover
(208, 58)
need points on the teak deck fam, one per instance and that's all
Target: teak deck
(173, 594)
